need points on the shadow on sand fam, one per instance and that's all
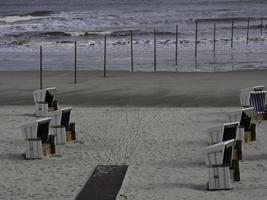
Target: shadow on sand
(192, 186)
(12, 156)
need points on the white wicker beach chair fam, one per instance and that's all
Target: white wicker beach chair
(39, 142)
(218, 158)
(228, 132)
(61, 127)
(222, 133)
(45, 101)
(247, 127)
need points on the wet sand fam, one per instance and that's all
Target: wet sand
(122, 88)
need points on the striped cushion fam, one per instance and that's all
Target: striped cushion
(257, 100)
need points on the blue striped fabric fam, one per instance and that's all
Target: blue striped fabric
(257, 100)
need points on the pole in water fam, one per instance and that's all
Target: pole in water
(41, 67)
(214, 39)
(248, 31)
(232, 34)
(75, 62)
(176, 46)
(196, 39)
(131, 40)
(105, 54)
(261, 25)
(155, 51)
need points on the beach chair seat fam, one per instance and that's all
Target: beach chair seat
(45, 101)
(38, 141)
(218, 159)
(61, 126)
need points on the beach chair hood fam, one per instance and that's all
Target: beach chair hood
(40, 95)
(218, 154)
(30, 130)
(55, 117)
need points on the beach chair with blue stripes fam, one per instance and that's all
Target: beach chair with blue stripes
(39, 143)
(45, 101)
(255, 97)
(61, 126)
(218, 159)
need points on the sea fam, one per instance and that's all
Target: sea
(238, 42)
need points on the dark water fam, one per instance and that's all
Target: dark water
(25, 24)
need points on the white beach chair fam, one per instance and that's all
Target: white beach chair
(45, 101)
(223, 132)
(38, 141)
(218, 158)
(247, 127)
(61, 127)
(226, 132)
(255, 97)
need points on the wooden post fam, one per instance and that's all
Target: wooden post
(214, 39)
(232, 34)
(155, 51)
(248, 31)
(261, 25)
(131, 39)
(196, 39)
(176, 46)
(41, 67)
(105, 54)
(75, 62)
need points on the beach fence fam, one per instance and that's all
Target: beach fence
(169, 51)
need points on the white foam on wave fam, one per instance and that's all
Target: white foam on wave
(14, 19)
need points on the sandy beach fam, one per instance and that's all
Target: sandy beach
(163, 147)
(154, 122)
(121, 88)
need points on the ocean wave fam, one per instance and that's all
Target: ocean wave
(15, 19)
(56, 33)
(39, 13)
(227, 19)
(25, 17)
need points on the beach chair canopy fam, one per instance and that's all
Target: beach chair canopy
(258, 100)
(253, 96)
(55, 117)
(44, 95)
(245, 116)
(61, 117)
(230, 131)
(234, 116)
(254, 88)
(37, 129)
(223, 132)
(219, 154)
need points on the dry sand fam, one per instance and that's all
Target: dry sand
(162, 145)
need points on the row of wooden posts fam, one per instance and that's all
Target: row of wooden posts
(155, 48)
